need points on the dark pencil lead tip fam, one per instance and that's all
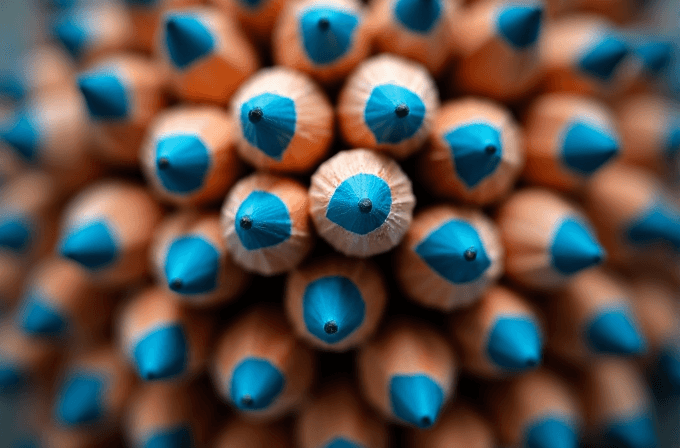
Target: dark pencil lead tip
(401, 110)
(425, 422)
(470, 254)
(255, 115)
(246, 401)
(163, 163)
(176, 284)
(324, 24)
(490, 149)
(330, 327)
(365, 205)
(246, 222)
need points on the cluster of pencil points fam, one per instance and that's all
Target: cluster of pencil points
(208, 202)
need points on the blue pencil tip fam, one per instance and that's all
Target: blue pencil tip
(162, 353)
(476, 150)
(360, 204)
(587, 148)
(92, 245)
(574, 248)
(614, 331)
(104, 94)
(551, 432)
(635, 432)
(182, 163)
(179, 437)
(341, 442)
(603, 58)
(268, 122)
(39, 319)
(192, 265)
(416, 399)
(262, 220)
(520, 25)
(23, 136)
(255, 384)
(332, 308)
(418, 16)
(15, 233)
(660, 224)
(327, 33)
(80, 400)
(187, 39)
(515, 344)
(655, 55)
(11, 86)
(669, 366)
(393, 113)
(10, 376)
(72, 35)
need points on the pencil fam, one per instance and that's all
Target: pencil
(24, 361)
(145, 16)
(449, 257)
(656, 309)
(499, 44)
(459, 425)
(257, 17)
(650, 131)
(415, 30)
(476, 152)
(45, 68)
(591, 317)
(12, 274)
(123, 93)
(284, 121)
(361, 202)
(617, 406)
(259, 367)
(207, 54)
(189, 155)
(107, 229)
(28, 207)
(163, 340)
(634, 214)
(61, 303)
(547, 239)
(93, 390)
(388, 104)
(500, 335)
(265, 224)
(192, 261)
(654, 53)
(93, 29)
(242, 433)
(538, 409)
(408, 373)
(584, 54)
(325, 39)
(335, 303)
(167, 415)
(569, 139)
(10, 165)
(337, 418)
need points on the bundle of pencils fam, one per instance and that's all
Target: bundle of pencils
(331, 224)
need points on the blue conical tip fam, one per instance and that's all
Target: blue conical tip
(659, 224)
(187, 39)
(418, 16)
(393, 113)
(255, 384)
(669, 365)
(105, 95)
(520, 25)
(268, 122)
(341, 442)
(586, 148)
(360, 204)
(574, 248)
(162, 353)
(262, 220)
(327, 33)
(634, 432)
(182, 163)
(614, 331)
(15, 233)
(476, 151)
(10, 376)
(515, 343)
(92, 245)
(178, 437)
(71, 31)
(40, 319)
(11, 86)
(417, 399)
(655, 56)
(192, 265)
(80, 400)
(604, 57)
(551, 432)
(455, 252)
(23, 136)
(333, 308)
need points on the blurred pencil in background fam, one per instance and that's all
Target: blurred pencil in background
(459, 424)
(146, 16)
(257, 17)
(242, 433)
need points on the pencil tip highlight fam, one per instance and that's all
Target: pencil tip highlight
(349, 204)
(92, 245)
(574, 248)
(520, 25)
(105, 95)
(268, 122)
(476, 150)
(615, 332)
(416, 399)
(162, 353)
(192, 265)
(515, 344)
(187, 40)
(327, 33)
(393, 113)
(255, 384)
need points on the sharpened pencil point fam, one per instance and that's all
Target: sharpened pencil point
(92, 245)
(324, 24)
(520, 25)
(255, 384)
(80, 399)
(490, 149)
(470, 254)
(365, 205)
(574, 248)
(515, 344)
(255, 114)
(401, 110)
(634, 432)
(246, 222)
(183, 163)
(163, 163)
(187, 40)
(192, 265)
(162, 353)
(614, 331)
(330, 327)
(105, 95)
(551, 432)
(247, 401)
(15, 234)
(603, 58)
(176, 284)
(416, 399)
